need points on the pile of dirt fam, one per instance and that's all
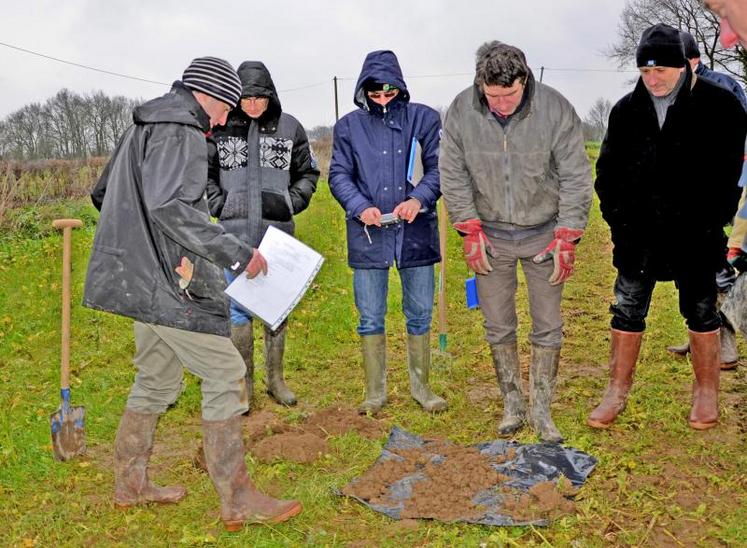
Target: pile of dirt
(445, 479)
(264, 423)
(291, 446)
(337, 421)
(271, 439)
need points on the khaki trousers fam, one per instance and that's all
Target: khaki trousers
(162, 354)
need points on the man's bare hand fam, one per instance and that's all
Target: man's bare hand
(256, 265)
(371, 216)
(408, 210)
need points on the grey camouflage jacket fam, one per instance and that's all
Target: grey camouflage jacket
(533, 171)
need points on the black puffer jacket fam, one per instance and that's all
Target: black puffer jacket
(667, 193)
(267, 170)
(153, 213)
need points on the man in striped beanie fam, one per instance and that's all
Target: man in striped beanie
(158, 259)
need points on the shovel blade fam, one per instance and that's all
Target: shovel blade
(68, 434)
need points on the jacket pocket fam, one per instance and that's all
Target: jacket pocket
(236, 206)
(276, 206)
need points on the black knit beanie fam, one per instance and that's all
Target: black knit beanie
(660, 46)
(691, 46)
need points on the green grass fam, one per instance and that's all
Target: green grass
(656, 481)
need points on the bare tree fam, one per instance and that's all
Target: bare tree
(595, 122)
(68, 125)
(687, 15)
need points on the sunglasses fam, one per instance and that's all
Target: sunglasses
(384, 94)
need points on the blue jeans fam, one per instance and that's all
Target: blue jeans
(239, 316)
(371, 286)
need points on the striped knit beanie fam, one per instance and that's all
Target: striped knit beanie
(214, 77)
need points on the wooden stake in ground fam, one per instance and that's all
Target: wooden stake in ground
(67, 423)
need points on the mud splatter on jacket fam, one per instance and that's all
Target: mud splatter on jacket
(153, 213)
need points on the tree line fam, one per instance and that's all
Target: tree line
(68, 125)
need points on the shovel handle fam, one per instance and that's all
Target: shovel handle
(66, 225)
(442, 274)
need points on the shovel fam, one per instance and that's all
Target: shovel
(68, 436)
(441, 357)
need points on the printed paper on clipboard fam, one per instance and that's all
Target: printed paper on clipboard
(415, 163)
(292, 266)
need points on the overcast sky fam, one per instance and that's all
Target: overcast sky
(304, 44)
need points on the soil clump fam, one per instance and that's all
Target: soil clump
(337, 421)
(291, 446)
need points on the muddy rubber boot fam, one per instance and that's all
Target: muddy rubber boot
(240, 501)
(242, 337)
(706, 350)
(132, 449)
(274, 349)
(624, 349)
(508, 372)
(542, 375)
(681, 350)
(729, 352)
(374, 367)
(418, 366)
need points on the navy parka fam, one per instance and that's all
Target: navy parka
(369, 164)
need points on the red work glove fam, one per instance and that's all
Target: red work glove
(562, 250)
(737, 258)
(476, 245)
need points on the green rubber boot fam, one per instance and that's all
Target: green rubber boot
(242, 337)
(418, 366)
(506, 363)
(374, 366)
(274, 350)
(542, 375)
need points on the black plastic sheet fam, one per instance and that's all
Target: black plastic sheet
(532, 464)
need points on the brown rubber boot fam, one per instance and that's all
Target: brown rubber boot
(274, 349)
(418, 367)
(242, 337)
(624, 349)
(240, 501)
(706, 350)
(132, 449)
(729, 352)
(508, 372)
(374, 367)
(543, 373)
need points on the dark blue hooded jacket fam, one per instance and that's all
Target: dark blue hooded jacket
(370, 156)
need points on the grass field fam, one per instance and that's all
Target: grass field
(657, 482)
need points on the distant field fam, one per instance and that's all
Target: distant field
(657, 482)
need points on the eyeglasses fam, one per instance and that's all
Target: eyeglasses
(255, 99)
(384, 94)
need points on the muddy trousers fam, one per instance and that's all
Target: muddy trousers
(162, 354)
(497, 292)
